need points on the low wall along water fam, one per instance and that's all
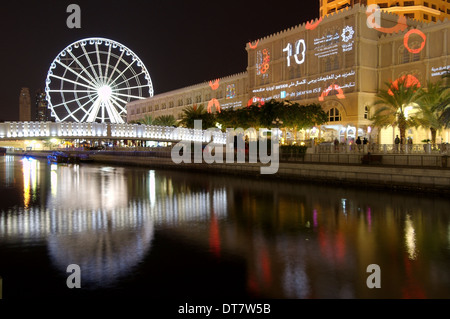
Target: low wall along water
(428, 173)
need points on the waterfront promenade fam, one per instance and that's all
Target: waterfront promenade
(423, 172)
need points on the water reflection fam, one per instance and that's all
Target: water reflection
(89, 219)
(293, 240)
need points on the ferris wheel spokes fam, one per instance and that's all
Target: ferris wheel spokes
(93, 83)
(89, 82)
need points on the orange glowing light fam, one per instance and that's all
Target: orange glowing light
(214, 236)
(332, 87)
(312, 26)
(406, 40)
(265, 64)
(214, 86)
(259, 101)
(407, 80)
(400, 26)
(253, 46)
(213, 102)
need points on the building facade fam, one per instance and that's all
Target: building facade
(422, 10)
(340, 61)
(41, 107)
(24, 105)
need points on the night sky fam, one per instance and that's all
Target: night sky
(180, 42)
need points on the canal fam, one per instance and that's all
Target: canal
(141, 233)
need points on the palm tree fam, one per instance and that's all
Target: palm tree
(428, 111)
(165, 120)
(392, 104)
(192, 113)
(444, 106)
(147, 120)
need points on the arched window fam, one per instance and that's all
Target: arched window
(366, 112)
(334, 115)
(405, 56)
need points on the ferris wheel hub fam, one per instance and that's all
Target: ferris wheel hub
(104, 92)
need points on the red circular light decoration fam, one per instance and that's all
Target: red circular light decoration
(406, 40)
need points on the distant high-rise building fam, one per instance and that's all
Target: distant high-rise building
(426, 11)
(24, 105)
(41, 106)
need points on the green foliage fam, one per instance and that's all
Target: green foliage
(192, 113)
(391, 104)
(444, 106)
(429, 113)
(289, 114)
(165, 120)
(147, 120)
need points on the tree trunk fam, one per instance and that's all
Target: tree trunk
(402, 128)
(433, 135)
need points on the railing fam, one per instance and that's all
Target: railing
(70, 130)
(383, 149)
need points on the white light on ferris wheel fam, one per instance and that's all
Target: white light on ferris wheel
(93, 79)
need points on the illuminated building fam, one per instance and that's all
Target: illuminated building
(41, 106)
(340, 61)
(24, 105)
(223, 93)
(422, 10)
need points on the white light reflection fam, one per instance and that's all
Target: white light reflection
(106, 239)
(30, 171)
(53, 179)
(344, 206)
(410, 238)
(152, 187)
(296, 282)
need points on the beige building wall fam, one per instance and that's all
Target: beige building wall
(338, 61)
(231, 92)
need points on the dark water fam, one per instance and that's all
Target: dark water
(140, 233)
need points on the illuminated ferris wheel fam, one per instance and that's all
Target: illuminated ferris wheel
(93, 79)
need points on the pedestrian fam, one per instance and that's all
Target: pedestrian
(410, 143)
(358, 142)
(365, 142)
(397, 142)
(336, 144)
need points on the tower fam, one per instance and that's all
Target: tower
(41, 106)
(24, 105)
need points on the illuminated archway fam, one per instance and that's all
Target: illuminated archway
(333, 87)
(213, 102)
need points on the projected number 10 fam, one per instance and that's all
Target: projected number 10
(300, 49)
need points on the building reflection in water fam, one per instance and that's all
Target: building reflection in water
(296, 241)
